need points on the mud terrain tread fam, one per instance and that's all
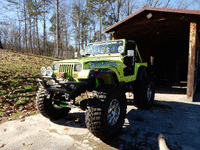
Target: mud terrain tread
(96, 114)
(46, 108)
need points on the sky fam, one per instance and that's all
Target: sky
(7, 15)
(11, 16)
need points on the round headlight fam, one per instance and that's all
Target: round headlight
(49, 71)
(77, 67)
(43, 71)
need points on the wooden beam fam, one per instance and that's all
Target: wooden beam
(191, 61)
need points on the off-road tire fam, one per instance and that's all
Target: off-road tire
(96, 117)
(46, 108)
(144, 92)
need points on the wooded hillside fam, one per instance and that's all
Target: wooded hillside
(18, 83)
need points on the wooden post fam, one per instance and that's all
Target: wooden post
(191, 61)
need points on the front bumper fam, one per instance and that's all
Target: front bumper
(60, 85)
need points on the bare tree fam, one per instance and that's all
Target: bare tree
(37, 12)
(184, 4)
(57, 27)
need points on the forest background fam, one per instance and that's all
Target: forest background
(29, 26)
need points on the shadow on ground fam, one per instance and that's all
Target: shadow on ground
(172, 89)
(177, 121)
(76, 120)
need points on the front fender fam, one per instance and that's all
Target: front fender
(107, 76)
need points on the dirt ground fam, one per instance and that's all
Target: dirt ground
(171, 115)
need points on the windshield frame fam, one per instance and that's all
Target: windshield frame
(105, 53)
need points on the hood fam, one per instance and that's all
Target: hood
(93, 58)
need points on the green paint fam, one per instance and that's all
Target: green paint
(112, 61)
(63, 104)
(97, 83)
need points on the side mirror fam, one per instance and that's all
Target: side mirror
(131, 53)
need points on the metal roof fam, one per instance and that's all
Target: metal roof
(153, 9)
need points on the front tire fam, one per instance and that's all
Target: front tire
(46, 107)
(107, 110)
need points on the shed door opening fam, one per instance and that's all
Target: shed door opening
(167, 57)
(170, 62)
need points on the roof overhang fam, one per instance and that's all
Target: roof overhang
(154, 18)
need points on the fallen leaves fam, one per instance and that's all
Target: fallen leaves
(24, 144)
(140, 119)
(2, 145)
(176, 143)
(9, 119)
(170, 125)
(142, 143)
(18, 85)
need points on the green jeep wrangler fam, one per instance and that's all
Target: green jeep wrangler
(107, 70)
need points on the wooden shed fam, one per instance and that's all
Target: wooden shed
(168, 39)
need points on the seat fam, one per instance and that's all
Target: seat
(129, 69)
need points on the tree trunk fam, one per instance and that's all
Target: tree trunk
(25, 32)
(34, 42)
(100, 25)
(19, 36)
(36, 23)
(128, 5)
(79, 28)
(57, 27)
(30, 34)
(44, 42)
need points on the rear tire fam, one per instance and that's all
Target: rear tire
(107, 110)
(46, 107)
(144, 93)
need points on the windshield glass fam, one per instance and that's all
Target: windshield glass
(109, 47)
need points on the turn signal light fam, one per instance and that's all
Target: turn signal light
(75, 76)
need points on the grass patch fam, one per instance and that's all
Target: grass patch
(3, 83)
(31, 80)
(20, 90)
(15, 114)
(18, 85)
(22, 101)
(27, 88)
(33, 112)
(14, 83)
(3, 71)
(3, 92)
(12, 96)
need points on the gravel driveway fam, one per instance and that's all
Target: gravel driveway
(171, 116)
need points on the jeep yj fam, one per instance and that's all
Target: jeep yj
(107, 70)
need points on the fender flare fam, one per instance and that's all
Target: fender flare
(141, 73)
(94, 74)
